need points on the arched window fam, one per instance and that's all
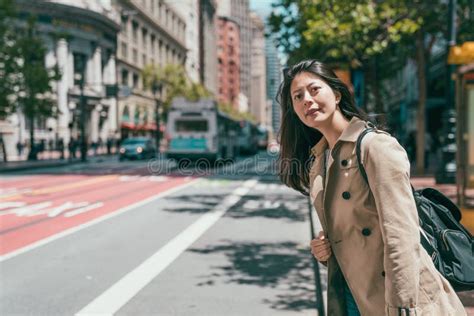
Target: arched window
(126, 114)
(137, 116)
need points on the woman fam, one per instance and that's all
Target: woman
(370, 239)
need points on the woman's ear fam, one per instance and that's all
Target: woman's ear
(338, 97)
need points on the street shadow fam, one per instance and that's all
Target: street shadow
(293, 208)
(204, 202)
(272, 265)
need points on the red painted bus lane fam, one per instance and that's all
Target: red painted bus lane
(100, 203)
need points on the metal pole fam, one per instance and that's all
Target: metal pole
(317, 274)
(451, 43)
(158, 136)
(83, 118)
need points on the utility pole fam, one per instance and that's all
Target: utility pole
(157, 85)
(82, 105)
(451, 43)
(448, 145)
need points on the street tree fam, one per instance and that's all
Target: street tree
(174, 82)
(229, 109)
(8, 65)
(34, 85)
(347, 33)
(376, 36)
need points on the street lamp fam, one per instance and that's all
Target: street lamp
(79, 76)
(157, 85)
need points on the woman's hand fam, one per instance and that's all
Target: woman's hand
(320, 248)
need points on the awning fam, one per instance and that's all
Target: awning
(127, 125)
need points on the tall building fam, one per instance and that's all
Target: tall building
(84, 51)
(201, 45)
(258, 93)
(228, 57)
(208, 44)
(189, 9)
(273, 81)
(238, 11)
(152, 32)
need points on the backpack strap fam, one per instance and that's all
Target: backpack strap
(369, 129)
(425, 241)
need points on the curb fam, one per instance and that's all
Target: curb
(29, 166)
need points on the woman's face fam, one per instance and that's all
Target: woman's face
(313, 99)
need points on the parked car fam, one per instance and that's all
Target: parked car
(137, 148)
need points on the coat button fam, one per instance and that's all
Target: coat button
(366, 232)
(383, 273)
(344, 163)
(346, 195)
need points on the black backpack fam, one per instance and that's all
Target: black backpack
(449, 244)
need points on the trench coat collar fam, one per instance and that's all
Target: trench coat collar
(350, 134)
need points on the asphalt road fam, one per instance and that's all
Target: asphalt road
(146, 238)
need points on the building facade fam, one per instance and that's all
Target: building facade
(208, 44)
(258, 93)
(239, 11)
(228, 57)
(189, 9)
(151, 33)
(274, 77)
(84, 50)
(201, 45)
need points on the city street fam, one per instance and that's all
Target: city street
(147, 238)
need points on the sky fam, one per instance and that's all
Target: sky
(262, 7)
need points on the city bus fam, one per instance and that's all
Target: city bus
(248, 138)
(199, 130)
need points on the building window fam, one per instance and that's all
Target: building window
(135, 81)
(135, 56)
(123, 25)
(144, 38)
(124, 50)
(135, 31)
(152, 44)
(144, 59)
(80, 69)
(125, 77)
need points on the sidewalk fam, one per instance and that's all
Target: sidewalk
(21, 165)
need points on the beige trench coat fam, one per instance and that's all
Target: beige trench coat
(373, 233)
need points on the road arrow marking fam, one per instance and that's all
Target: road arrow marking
(98, 220)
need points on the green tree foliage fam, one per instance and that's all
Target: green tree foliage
(25, 81)
(174, 83)
(376, 36)
(229, 109)
(34, 91)
(344, 33)
(8, 57)
(340, 31)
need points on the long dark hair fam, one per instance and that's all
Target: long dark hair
(297, 139)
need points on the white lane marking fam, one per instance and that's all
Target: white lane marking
(93, 222)
(7, 205)
(121, 292)
(83, 209)
(30, 209)
(66, 206)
